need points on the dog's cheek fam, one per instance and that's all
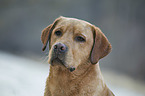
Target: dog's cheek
(77, 56)
(69, 59)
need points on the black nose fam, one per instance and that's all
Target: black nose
(60, 47)
(71, 69)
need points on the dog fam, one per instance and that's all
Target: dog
(75, 47)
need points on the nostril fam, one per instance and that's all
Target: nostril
(62, 48)
(55, 47)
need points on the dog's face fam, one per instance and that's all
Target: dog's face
(73, 42)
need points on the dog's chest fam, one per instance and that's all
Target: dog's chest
(64, 88)
(71, 88)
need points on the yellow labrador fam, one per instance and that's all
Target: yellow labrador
(75, 47)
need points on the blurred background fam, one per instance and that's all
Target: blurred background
(122, 21)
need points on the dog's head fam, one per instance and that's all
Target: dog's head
(73, 42)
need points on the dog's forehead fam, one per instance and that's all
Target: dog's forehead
(78, 26)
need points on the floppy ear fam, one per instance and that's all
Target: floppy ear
(101, 46)
(46, 33)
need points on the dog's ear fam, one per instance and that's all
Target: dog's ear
(101, 46)
(46, 33)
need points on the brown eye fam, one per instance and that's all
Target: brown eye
(58, 33)
(80, 39)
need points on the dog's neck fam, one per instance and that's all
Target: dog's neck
(82, 69)
(62, 77)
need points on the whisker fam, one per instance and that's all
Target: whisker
(45, 57)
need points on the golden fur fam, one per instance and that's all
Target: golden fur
(86, 79)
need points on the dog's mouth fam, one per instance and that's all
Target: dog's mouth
(57, 61)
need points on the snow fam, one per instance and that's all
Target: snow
(24, 77)
(21, 77)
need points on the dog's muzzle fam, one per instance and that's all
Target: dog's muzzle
(58, 56)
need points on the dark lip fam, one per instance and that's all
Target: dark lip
(61, 63)
(58, 60)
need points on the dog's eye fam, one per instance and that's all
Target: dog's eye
(58, 33)
(80, 39)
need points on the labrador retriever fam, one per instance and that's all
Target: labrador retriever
(75, 47)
